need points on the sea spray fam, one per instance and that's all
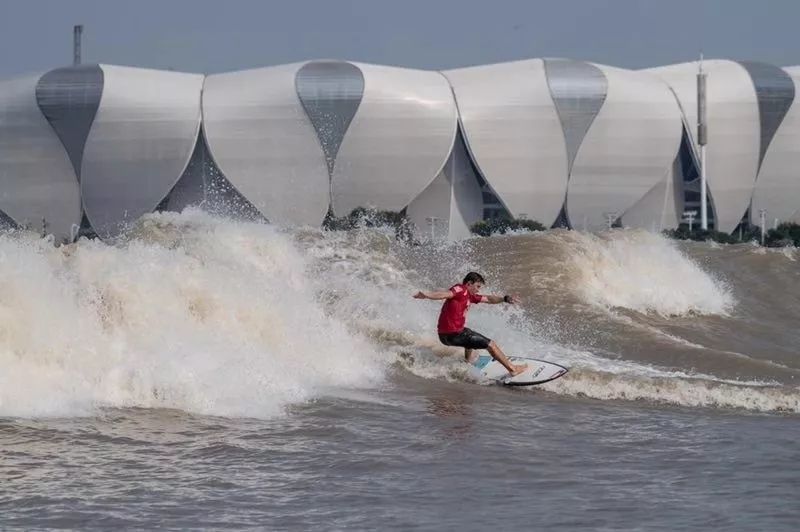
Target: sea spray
(643, 272)
(212, 316)
(189, 312)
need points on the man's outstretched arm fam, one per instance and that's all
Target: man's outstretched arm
(442, 294)
(500, 299)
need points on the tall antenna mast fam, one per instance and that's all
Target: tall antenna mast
(77, 31)
(702, 139)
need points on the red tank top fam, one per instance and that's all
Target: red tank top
(454, 311)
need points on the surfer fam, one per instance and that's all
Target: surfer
(453, 317)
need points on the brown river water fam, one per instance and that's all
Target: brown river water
(204, 373)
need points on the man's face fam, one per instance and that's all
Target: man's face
(474, 288)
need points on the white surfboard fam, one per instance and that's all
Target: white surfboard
(537, 372)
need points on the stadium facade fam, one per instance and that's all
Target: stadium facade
(559, 141)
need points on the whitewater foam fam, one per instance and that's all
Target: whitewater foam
(790, 252)
(380, 307)
(242, 319)
(189, 312)
(598, 378)
(695, 392)
(643, 272)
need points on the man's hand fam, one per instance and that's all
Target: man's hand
(420, 295)
(495, 299)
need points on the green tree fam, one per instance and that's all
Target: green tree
(786, 234)
(504, 225)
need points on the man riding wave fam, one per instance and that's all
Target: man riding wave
(453, 317)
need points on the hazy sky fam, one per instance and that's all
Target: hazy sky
(216, 36)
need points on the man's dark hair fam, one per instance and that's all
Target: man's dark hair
(473, 277)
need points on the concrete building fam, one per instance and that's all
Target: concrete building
(559, 141)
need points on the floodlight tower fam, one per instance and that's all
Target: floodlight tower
(77, 31)
(702, 139)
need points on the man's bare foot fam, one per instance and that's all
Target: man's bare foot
(518, 369)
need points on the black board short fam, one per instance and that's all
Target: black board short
(467, 338)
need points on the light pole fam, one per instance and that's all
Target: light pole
(689, 215)
(610, 218)
(77, 31)
(762, 213)
(432, 222)
(702, 139)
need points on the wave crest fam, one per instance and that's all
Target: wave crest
(643, 272)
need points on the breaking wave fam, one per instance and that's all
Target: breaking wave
(214, 316)
(643, 272)
(189, 312)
